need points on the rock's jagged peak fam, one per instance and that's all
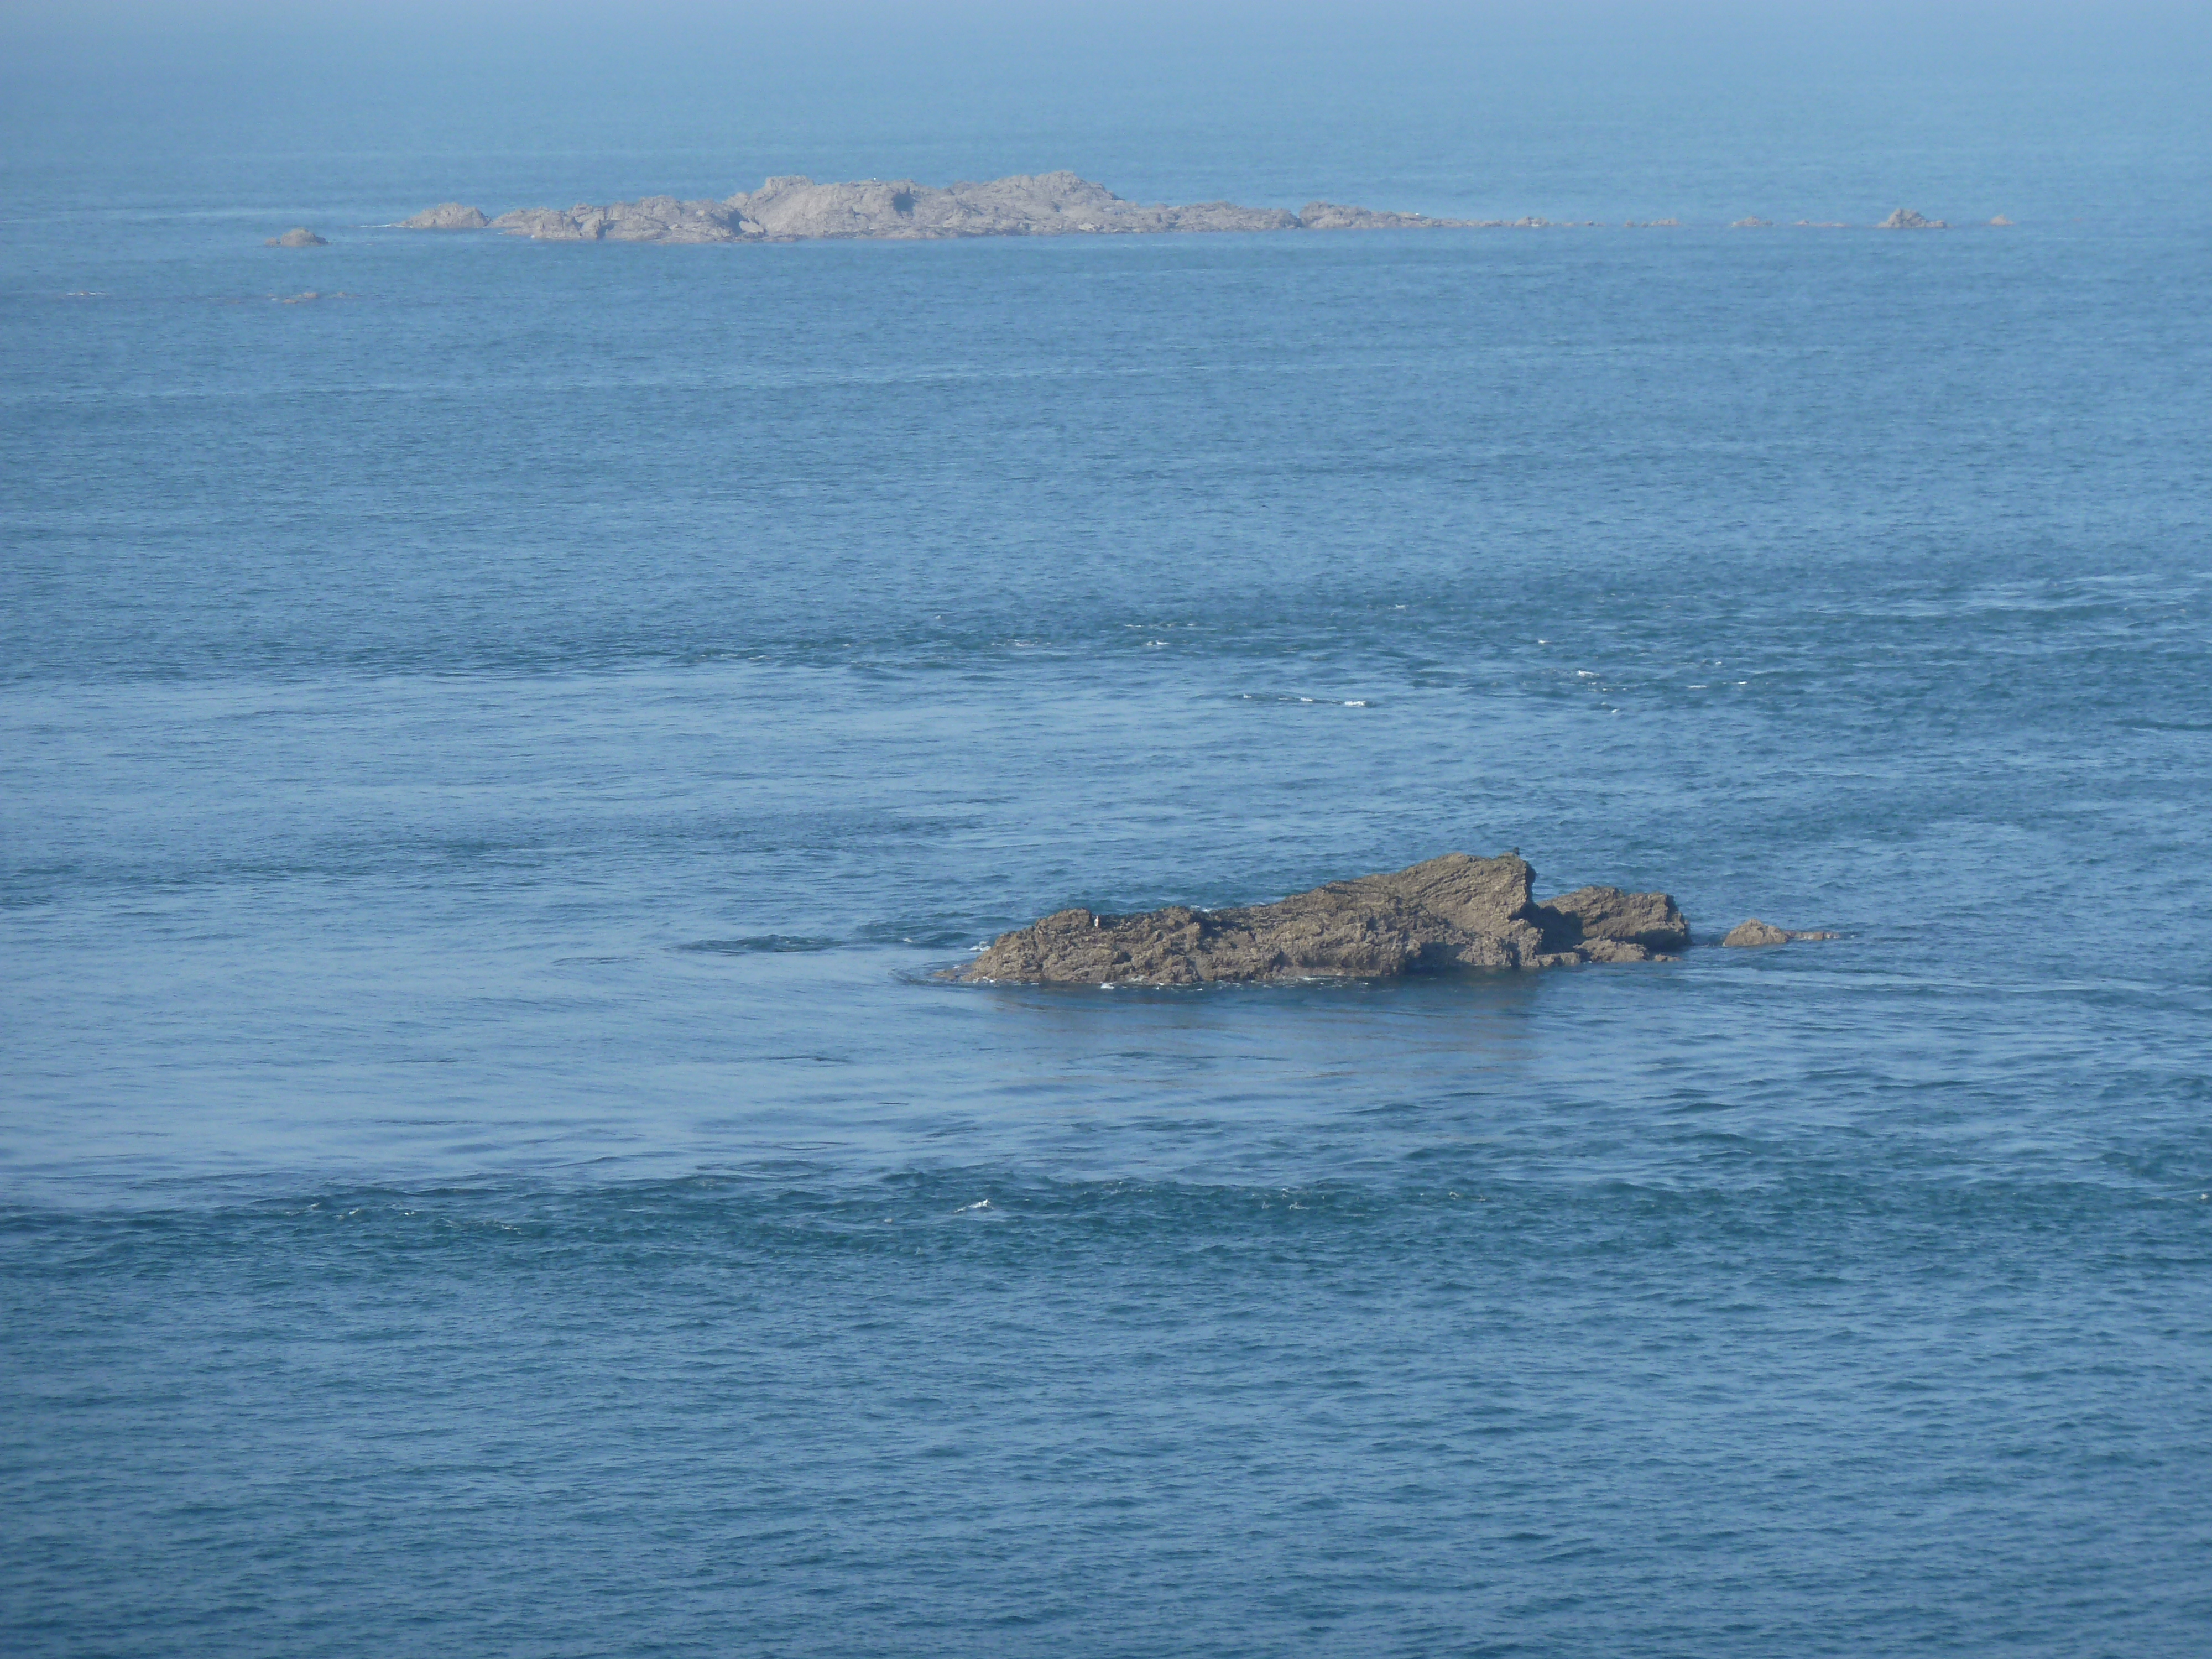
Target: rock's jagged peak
(1440, 916)
(794, 208)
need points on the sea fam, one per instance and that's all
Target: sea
(500, 743)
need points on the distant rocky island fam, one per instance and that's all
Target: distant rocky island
(796, 209)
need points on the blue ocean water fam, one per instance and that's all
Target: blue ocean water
(491, 758)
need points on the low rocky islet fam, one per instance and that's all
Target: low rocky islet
(796, 209)
(1443, 916)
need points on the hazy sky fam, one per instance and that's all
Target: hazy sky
(1583, 105)
(1104, 36)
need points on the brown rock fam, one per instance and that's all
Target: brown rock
(1449, 914)
(298, 236)
(1649, 919)
(1755, 933)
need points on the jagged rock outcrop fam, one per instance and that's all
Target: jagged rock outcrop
(1757, 933)
(1334, 216)
(1449, 914)
(447, 216)
(298, 236)
(1906, 219)
(655, 219)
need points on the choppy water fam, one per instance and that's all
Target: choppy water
(490, 763)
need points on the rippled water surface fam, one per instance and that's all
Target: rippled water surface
(493, 758)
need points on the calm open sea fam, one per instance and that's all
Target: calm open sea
(491, 757)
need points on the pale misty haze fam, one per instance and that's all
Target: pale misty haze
(1607, 111)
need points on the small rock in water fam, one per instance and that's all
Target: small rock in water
(1756, 932)
(1906, 219)
(1449, 914)
(298, 236)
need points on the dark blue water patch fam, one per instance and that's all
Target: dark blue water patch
(1836, 1413)
(921, 931)
(756, 465)
(771, 944)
